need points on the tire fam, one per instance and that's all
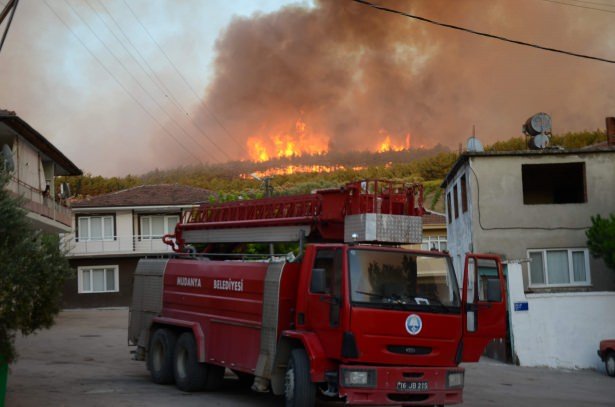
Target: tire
(298, 387)
(160, 356)
(609, 363)
(190, 375)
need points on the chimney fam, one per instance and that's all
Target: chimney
(610, 131)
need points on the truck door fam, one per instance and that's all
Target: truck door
(484, 304)
(324, 300)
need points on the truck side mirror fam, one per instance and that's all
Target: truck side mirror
(318, 285)
(494, 292)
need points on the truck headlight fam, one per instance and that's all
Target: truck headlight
(358, 378)
(454, 379)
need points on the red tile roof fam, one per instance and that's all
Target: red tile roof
(147, 195)
(431, 218)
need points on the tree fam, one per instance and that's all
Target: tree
(601, 239)
(32, 273)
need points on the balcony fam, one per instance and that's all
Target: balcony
(46, 213)
(118, 245)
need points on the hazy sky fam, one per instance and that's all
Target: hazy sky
(102, 91)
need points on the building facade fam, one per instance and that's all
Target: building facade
(533, 208)
(113, 231)
(33, 163)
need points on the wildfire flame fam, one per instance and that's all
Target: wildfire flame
(291, 144)
(296, 169)
(387, 144)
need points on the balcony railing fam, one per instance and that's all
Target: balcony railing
(34, 200)
(117, 245)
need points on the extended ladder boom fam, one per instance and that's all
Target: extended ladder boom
(368, 210)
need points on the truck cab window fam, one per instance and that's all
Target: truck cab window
(330, 262)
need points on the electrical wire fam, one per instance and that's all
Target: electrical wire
(153, 81)
(579, 6)
(207, 109)
(120, 84)
(183, 130)
(482, 34)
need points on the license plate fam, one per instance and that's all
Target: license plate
(412, 386)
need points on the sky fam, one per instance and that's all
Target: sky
(126, 86)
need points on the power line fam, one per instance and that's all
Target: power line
(184, 78)
(120, 83)
(483, 34)
(136, 79)
(585, 7)
(153, 81)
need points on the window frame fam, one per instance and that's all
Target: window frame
(569, 253)
(165, 216)
(438, 240)
(78, 231)
(82, 269)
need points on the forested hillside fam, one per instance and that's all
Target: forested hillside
(231, 180)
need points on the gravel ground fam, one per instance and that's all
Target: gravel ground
(84, 360)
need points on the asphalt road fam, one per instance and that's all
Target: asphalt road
(84, 360)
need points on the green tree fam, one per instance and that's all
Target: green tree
(601, 239)
(32, 273)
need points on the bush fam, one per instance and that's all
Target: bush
(601, 239)
(32, 274)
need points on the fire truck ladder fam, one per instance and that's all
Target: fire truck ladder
(368, 210)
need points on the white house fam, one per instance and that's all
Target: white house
(32, 163)
(113, 231)
(537, 205)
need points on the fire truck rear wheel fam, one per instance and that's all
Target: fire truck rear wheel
(298, 387)
(190, 375)
(609, 363)
(160, 356)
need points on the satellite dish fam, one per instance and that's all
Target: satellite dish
(474, 145)
(7, 158)
(64, 190)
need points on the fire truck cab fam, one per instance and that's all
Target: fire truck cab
(357, 320)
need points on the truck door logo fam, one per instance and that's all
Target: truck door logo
(414, 324)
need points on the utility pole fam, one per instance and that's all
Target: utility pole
(10, 7)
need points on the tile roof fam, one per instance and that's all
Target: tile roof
(147, 195)
(434, 218)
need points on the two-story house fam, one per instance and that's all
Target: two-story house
(534, 207)
(113, 231)
(32, 163)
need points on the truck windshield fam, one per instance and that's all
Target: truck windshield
(397, 279)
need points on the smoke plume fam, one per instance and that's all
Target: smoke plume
(350, 72)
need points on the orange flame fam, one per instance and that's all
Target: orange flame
(291, 144)
(296, 169)
(387, 144)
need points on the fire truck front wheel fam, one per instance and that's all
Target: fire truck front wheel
(298, 387)
(190, 375)
(160, 356)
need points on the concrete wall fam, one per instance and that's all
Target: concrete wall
(459, 229)
(504, 225)
(559, 330)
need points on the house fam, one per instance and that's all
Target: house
(113, 231)
(533, 208)
(33, 163)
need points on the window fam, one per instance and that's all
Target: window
(456, 200)
(93, 228)
(464, 194)
(553, 183)
(559, 267)
(448, 207)
(155, 226)
(434, 242)
(98, 279)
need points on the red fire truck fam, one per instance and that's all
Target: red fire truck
(351, 315)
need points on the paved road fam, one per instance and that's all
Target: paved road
(84, 361)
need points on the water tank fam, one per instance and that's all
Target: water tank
(540, 123)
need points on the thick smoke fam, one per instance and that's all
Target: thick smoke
(349, 71)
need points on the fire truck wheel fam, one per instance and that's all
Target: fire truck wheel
(160, 356)
(609, 363)
(190, 375)
(298, 387)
